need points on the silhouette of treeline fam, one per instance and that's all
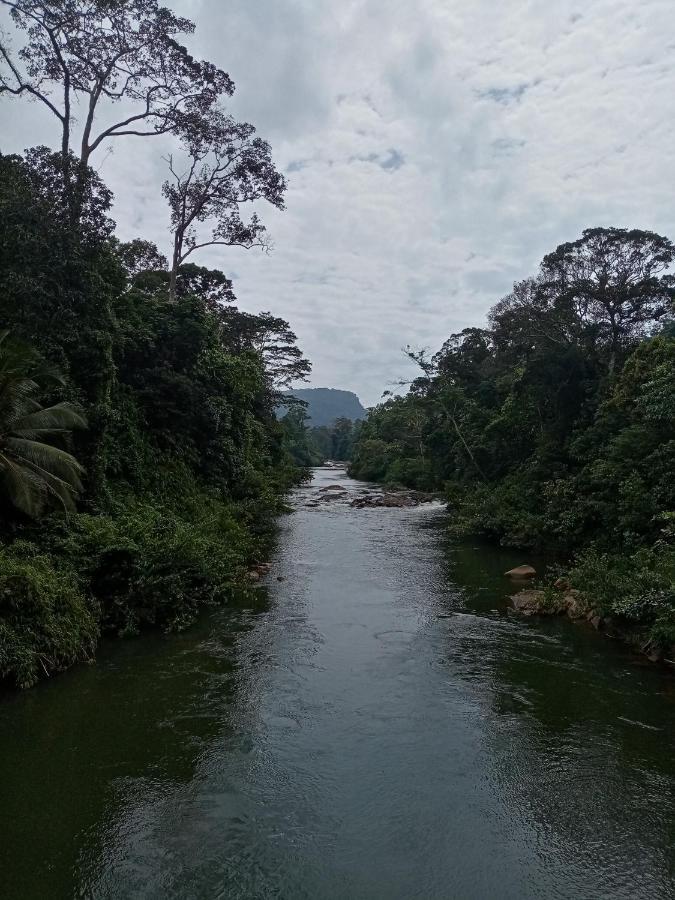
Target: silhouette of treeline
(324, 406)
(554, 426)
(320, 424)
(141, 463)
(312, 446)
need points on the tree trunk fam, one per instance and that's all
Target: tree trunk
(175, 263)
(466, 446)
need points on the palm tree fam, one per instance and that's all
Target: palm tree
(33, 472)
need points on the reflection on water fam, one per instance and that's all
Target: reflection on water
(378, 727)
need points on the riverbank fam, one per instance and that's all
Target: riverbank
(607, 592)
(149, 564)
(560, 599)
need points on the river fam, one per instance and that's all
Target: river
(374, 725)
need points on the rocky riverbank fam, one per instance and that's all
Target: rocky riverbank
(562, 600)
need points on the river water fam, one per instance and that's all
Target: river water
(373, 726)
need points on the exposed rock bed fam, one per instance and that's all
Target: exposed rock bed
(368, 499)
(397, 499)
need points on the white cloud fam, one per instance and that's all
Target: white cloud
(512, 126)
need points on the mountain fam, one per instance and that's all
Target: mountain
(325, 405)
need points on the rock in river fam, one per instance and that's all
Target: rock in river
(521, 572)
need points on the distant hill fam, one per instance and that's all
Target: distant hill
(325, 405)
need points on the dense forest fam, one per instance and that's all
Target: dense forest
(553, 428)
(312, 445)
(141, 461)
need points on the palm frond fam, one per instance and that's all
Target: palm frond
(24, 488)
(63, 490)
(58, 418)
(32, 471)
(53, 459)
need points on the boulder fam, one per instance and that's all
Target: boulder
(521, 572)
(528, 603)
(398, 500)
(574, 606)
(561, 584)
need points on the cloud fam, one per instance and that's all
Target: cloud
(434, 152)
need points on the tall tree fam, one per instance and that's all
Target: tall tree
(270, 337)
(226, 167)
(81, 55)
(616, 280)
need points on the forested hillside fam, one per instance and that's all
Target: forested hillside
(141, 463)
(320, 424)
(553, 428)
(326, 405)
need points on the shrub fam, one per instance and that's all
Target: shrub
(150, 566)
(46, 621)
(411, 473)
(637, 589)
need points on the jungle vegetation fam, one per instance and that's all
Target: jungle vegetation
(553, 427)
(141, 462)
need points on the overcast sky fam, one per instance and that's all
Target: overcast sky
(434, 149)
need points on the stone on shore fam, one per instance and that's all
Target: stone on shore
(528, 603)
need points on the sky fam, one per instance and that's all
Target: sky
(435, 150)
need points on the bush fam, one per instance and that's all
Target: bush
(46, 621)
(150, 566)
(411, 473)
(638, 590)
(503, 512)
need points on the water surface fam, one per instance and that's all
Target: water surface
(375, 727)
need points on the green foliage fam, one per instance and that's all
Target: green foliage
(34, 472)
(636, 589)
(298, 440)
(150, 566)
(308, 446)
(372, 459)
(46, 621)
(554, 427)
(185, 461)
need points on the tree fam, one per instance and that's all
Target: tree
(227, 167)
(212, 285)
(57, 296)
(616, 280)
(140, 256)
(33, 472)
(298, 439)
(80, 55)
(270, 337)
(342, 438)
